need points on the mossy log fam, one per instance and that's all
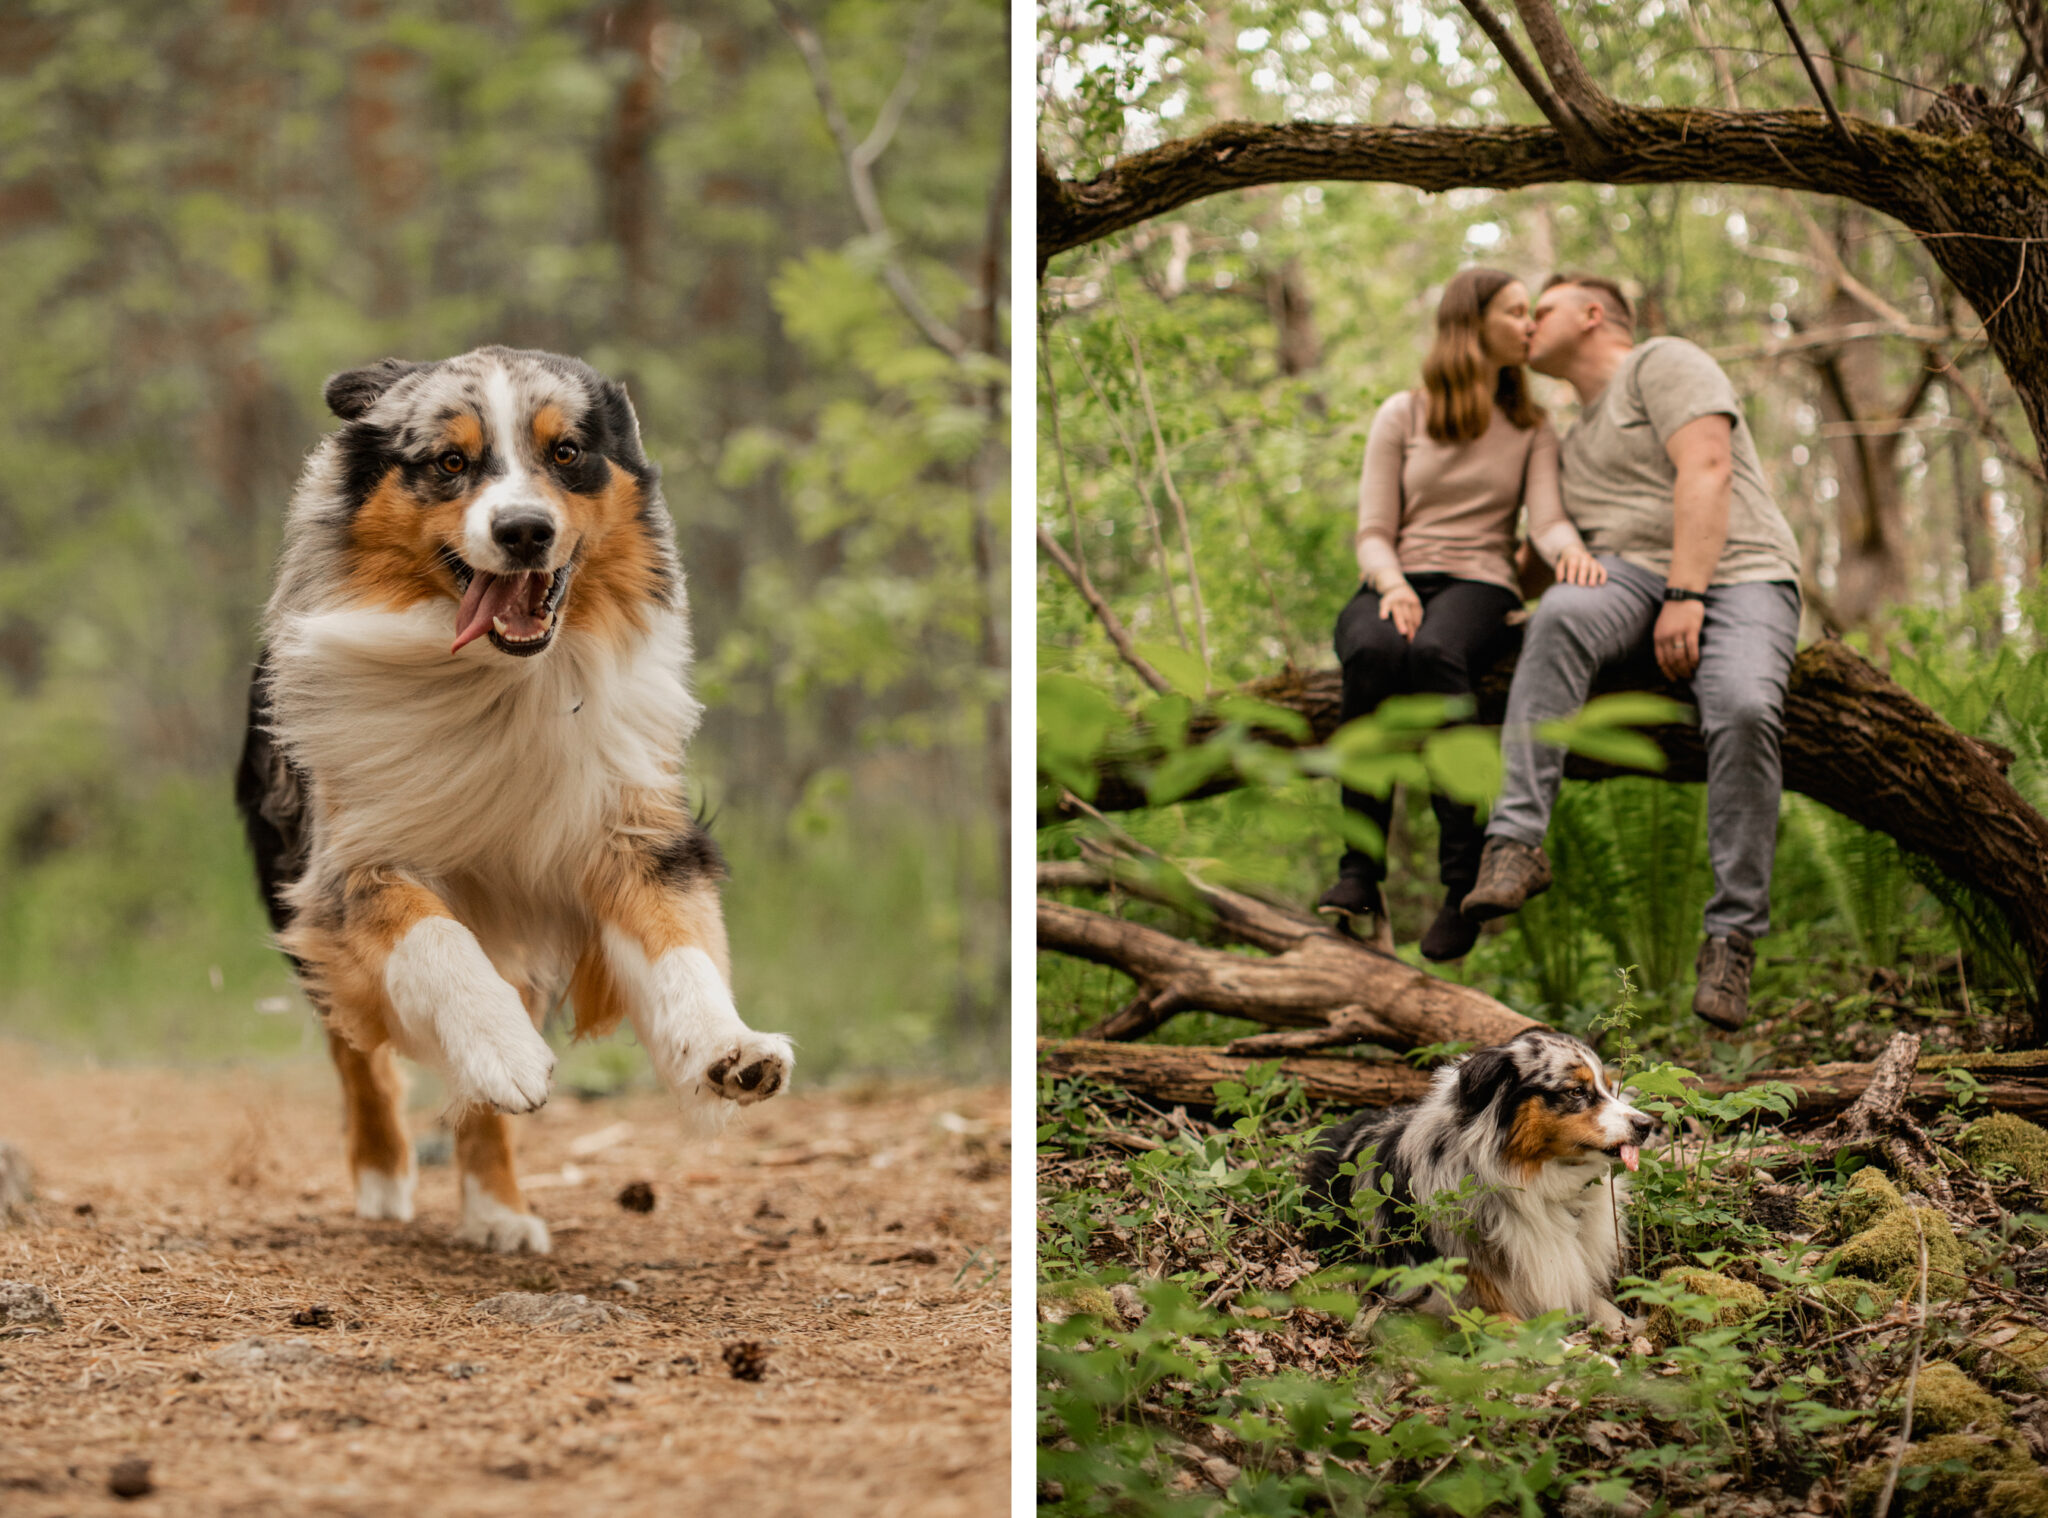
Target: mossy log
(1187, 1073)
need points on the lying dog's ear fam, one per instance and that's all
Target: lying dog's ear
(353, 391)
(1480, 1078)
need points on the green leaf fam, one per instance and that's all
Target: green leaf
(1183, 671)
(1185, 771)
(1263, 714)
(1465, 764)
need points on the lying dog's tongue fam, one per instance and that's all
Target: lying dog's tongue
(516, 604)
(1631, 1156)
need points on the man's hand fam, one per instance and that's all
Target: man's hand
(1403, 607)
(1677, 638)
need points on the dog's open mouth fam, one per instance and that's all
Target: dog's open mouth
(1630, 1155)
(517, 612)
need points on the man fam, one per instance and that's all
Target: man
(1660, 475)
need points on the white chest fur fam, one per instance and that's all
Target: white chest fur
(480, 765)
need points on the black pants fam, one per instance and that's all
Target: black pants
(1461, 624)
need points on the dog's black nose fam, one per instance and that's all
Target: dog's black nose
(525, 536)
(1643, 1125)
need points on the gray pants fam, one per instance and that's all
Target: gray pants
(1746, 652)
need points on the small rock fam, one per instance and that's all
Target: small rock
(463, 1370)
(1129, 1305)
(566, 1311)
(313, 1317)
(747, 1359)
(129, 1479)
(26, 1308)
(637, 1196)
(630, 1288)
(293, 1356)
(17, 1184)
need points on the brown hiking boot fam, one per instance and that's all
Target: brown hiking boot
(1722, 996)
(1509, 874)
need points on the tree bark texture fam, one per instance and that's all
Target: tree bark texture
(1965, 182)
(1188, 1073)
(1854, 741)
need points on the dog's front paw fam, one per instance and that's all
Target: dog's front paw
(506, 1066)
(753, 1069)
(488, 1223)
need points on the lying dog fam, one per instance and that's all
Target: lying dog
(1536, 1123)
(462, 778)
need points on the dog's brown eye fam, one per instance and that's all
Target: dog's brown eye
(453, 462)
(566, 453)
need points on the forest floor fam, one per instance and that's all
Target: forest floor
(1196, 1357)
(850, 1250)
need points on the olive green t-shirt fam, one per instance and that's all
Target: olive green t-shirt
(1618, 478)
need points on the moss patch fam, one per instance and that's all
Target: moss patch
(1989, 1465)
(2020, 1362)
(2003, 1139)
(1868, 1197)
(1737, 1302)
(1059, 1301)
(1945, 1401)
(1889, 1251)
(1866, 1301)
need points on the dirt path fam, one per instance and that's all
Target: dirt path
(861, 1243)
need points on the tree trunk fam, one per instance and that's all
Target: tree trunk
(1854, 741)
(2016, 1083)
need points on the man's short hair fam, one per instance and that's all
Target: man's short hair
(1613, 303)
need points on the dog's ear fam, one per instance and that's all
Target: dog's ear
(353, 391)
(622, 430)
(1480, 1078)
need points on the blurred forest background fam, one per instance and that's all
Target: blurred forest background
(787, 234)
(1208, 377)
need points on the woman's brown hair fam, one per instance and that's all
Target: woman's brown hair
(1454, 375)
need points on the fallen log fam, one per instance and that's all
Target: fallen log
(1186, 1073)
(1312, 977)
(1854, 740)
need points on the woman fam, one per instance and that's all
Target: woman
(1446, 467)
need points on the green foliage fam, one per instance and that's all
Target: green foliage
(213, 207)
(148, 943)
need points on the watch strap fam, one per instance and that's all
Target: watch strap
(1673, 593)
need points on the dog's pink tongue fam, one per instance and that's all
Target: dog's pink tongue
(490, 597)
(1631, 1156)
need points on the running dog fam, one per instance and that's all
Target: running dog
(462, 779)
(1535, 1122)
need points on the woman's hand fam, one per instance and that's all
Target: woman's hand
(1577, 567)
(1403, 607)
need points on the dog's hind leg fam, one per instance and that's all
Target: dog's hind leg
(494, 1215)
(379, 1153)
(660, 957)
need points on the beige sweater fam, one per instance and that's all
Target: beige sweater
(1450, 507)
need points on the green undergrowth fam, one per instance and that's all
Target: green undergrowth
(1195, 1358)
(864, 936)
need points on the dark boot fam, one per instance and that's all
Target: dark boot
(1509, 874)
(1358, 907)
(1722, 996)
(1452, 935)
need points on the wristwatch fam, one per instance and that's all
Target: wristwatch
(1673, 593)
